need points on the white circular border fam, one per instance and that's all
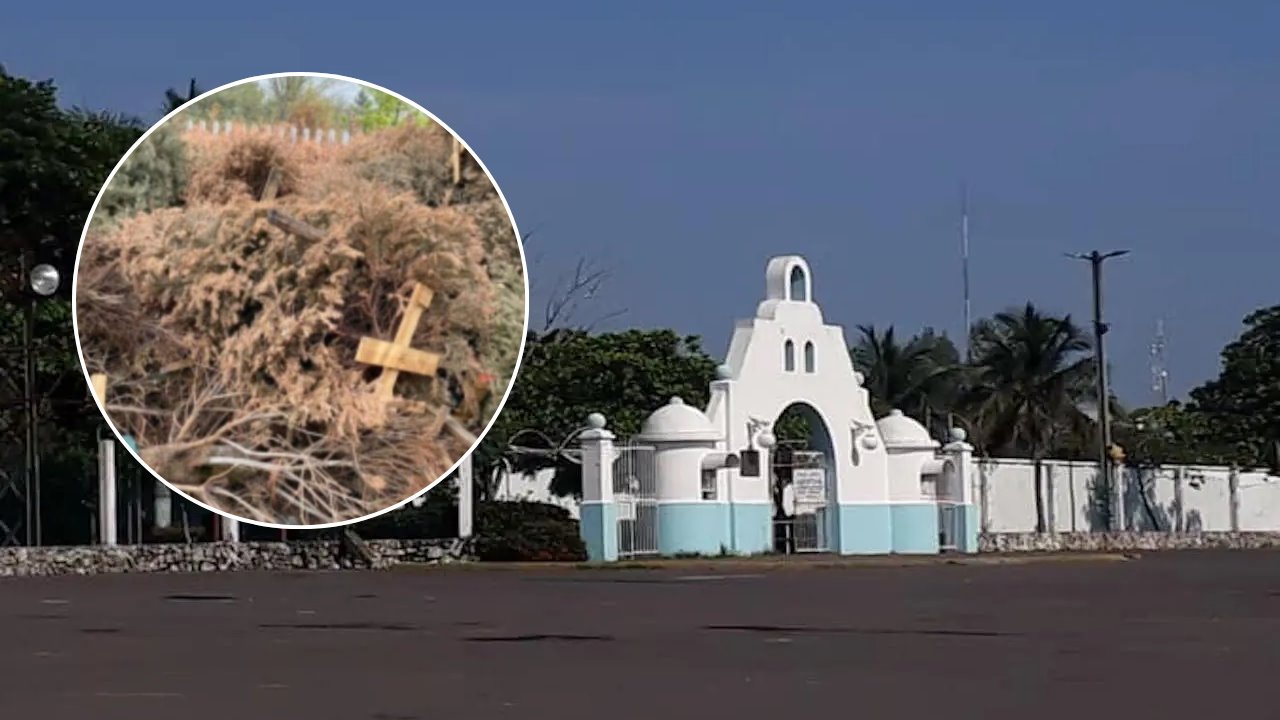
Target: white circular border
(515, 372)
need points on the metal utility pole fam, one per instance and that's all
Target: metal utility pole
(31, 458)
(1095, 260)
(964, 265)
(1159, 370)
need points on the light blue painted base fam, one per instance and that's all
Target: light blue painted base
(693, 528)
(915, 528)
(128, 440)
(752, 529)
(598, 525)
(863, 530)
(970, 524)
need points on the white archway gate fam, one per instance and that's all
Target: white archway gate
(864, 496)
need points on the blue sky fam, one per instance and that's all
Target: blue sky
(682, 144)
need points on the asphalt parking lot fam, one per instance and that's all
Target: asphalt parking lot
(1177, 635)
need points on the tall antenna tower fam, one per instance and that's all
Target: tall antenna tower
(1159, 371)
(964, 268)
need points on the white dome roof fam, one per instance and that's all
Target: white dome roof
(902, 432)
(677, 422)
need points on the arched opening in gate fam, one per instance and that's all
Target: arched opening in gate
(948, 495)
(802, 478)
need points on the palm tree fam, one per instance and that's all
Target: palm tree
(1031, 382)
(174, 99)
(919, 377)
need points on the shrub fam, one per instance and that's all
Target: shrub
(436, 518)
(155, 177)
(527, 531)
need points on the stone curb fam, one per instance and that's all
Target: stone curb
(225, 556)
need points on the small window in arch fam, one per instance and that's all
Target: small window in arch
(789, 356)
(809, 360)
(798, 290)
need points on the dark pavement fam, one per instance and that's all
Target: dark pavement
(1184, 635)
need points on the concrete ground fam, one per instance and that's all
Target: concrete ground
(1179, 635)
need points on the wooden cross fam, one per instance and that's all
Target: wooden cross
(99, 381)
(396, 356)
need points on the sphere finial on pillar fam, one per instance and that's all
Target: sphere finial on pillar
(596, 421)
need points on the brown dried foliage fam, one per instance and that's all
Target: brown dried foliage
(230, 343)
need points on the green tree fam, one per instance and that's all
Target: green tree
(155, 177)
(1031, 375)
(245, 103)
(1243, 403)
(920, 377)
(376, 110)
(568, 374)
(304, 101)
(1173, 434)
(52, 164)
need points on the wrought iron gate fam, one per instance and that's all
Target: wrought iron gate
(948, 524)
(635, 491)
(806, 528)
(810, 484)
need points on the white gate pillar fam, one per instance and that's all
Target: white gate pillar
(598, 518)
(108, 533)
(230, 529)
(163, 506)
(466, 496)
(967, 517)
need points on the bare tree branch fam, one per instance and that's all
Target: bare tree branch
(565, 302)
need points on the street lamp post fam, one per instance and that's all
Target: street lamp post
(43, 281)
(1095, 260)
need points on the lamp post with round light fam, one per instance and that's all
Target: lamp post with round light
(41, 282)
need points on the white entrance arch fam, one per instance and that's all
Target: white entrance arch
(713, 467)
(760, 383)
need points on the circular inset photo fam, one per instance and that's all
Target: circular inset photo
(300, 300)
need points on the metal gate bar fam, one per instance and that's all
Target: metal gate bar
(811, 486)
(635, 489)
(948, 524)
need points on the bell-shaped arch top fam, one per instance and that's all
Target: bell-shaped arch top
(788, 278)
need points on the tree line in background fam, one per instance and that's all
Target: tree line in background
(1026, 389)
(300, 101)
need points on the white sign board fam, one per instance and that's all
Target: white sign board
(809, 485)
(626, 510)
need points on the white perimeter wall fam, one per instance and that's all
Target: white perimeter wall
(534, 487)
(1007, 497)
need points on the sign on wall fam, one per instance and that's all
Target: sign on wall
(809, 485)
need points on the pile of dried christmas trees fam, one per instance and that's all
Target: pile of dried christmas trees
(300, 333)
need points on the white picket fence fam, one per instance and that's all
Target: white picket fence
(323, 136)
